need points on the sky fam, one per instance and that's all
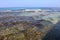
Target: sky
(29, 3)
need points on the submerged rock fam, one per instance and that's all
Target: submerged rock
(25, 30)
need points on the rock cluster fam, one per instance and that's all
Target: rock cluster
(24, 30)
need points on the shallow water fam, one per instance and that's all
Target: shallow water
(29, 20)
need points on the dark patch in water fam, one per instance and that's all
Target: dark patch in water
(54, 34)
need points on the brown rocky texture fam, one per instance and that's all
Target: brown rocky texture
(24, 30)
